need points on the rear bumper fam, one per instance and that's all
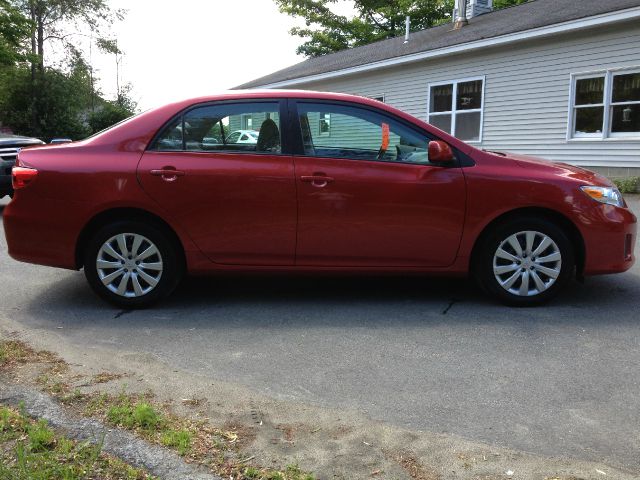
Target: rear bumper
(38, 235)
(610, 239)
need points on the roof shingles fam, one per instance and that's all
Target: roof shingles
(527, 16)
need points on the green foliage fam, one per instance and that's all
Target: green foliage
(627, 185)
(41, 437)
(31, 450)
(63, 107)
(179, 439)
(497, 4)
(45, 101)
(293, 472)
(328, 32)
(15, 29)
(106, 115)
(60, 102)
(128, 415)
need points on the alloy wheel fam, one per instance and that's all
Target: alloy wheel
(527, 263)
(129, 265)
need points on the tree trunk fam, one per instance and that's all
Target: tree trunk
(40, 31)
(34, 100)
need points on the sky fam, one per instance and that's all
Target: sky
(187, 48)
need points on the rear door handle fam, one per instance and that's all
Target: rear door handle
(317, 180)
(168, 174)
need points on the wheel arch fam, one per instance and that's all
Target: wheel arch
(131, 214)
(575, 237)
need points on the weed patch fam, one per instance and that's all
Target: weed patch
(30, 449)
(627, 185)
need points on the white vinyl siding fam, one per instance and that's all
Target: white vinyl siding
(347, 132)
(238, 122)
(526, 91)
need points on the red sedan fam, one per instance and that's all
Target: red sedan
(333, 183)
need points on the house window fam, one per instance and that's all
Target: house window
(605, 105)
(457, 108)
(247, 122)
(324, 125)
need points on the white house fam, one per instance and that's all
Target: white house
(555, 78)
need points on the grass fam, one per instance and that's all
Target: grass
(134, 416)
(29, 449)
(191, 439)
(178, 439)
(627, 185)
(138, 414)
(12, 352)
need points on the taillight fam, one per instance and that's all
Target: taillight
(23, 176)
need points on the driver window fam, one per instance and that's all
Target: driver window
(360, 134)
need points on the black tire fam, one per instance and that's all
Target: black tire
(484, 261)
(172, 268)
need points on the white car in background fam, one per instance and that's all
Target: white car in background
(243, 136)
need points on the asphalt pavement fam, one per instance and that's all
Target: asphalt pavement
(424, 354)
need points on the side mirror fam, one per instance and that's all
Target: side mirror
(440, 152)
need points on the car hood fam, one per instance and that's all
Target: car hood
(555, 168)
(8, 141)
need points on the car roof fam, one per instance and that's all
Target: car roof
(276, 94)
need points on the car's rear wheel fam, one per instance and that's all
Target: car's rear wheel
(525, 262)
(132, 264)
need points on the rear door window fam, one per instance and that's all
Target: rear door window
(219, 128)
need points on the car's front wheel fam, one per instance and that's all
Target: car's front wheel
(132, 264)
(525, 262)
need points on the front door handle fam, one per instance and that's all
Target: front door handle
(318, 180)
(168, 174)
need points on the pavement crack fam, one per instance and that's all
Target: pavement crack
(121, 313)
(451, 304)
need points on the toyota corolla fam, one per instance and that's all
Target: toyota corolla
(333, 183)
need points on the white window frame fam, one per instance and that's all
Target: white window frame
(454, 111)
(244, 124)
(320, 120)
(607, 104)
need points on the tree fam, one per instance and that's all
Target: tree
(15, 29)
(497, 4)
(60, 104)
(43, 100)
(50, 20)
(109, 113)
(328, 32)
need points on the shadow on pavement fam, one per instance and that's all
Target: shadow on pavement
(343, 301)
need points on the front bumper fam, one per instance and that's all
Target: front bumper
(610, 239)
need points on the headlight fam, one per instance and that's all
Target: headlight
(608, 195)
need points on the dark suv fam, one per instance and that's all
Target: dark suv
(10, 145)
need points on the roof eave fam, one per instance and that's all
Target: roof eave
(535, 33)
